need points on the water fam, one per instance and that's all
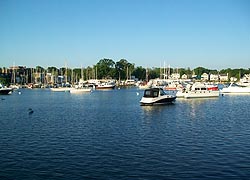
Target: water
(108, 135)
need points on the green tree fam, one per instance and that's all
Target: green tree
(105, 68)
(200, 70)
(121, 68)
(140, 73)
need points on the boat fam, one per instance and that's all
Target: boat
(234, 88)
(61, 89)
(199, 90)
(77, 90)
(5, 90)
(156, 96)
(105, 85)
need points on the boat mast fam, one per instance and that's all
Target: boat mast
(14, 74)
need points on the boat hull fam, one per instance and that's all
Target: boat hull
(105, 87)
(60, 89)
(157, 101)
(202, 94)
(5, 91)
(236, 90)
(81, 90)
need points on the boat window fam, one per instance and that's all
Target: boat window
(147, 94)
(162, 92)
(155, 94)
(151, 93)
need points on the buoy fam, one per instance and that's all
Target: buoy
(19, 92)
(137, 93)
(30, 111)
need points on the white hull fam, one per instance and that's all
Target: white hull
(80, 90)
(202, 94)
(198, 94)
(61, 89)
(236, 90)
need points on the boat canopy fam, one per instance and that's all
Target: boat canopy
(153, 92)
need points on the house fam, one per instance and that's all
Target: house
(184, 76)
(204, 77)
(233, 79)
(223, 77)
(175, 76)
(214, 77)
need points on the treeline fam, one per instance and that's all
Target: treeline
(122, 70)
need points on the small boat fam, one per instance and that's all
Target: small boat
(234, 88)
(105, 85)
(5, 90)
(61, 89)
(199, 90)
(80, 90)
(156, 96)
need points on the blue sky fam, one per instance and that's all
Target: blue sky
(184, 33)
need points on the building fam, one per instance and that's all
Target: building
(214, 77)
(223, 77)
(184, 76)
(204, 77)
(175, 76)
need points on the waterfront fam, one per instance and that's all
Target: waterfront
(108, 135)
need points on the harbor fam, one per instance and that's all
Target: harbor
(124, 90)
(108, 135)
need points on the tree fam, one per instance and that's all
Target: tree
(200, 70)
(105, 68)
(140, 73)
(121, 69)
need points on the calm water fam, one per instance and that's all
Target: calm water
(108, 135)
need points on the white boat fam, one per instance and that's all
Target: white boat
(5, 90)
(234, 88)
(61, 89)
(105, 85)
(156, 96)
(199, 90)
(80, 90)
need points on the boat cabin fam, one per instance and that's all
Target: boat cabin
(153, 92)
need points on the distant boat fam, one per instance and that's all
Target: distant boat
(234, 88)
(199, 90)
(78, 90)
(156, 96)
(5, 90)
(61, 89)
(105, 85)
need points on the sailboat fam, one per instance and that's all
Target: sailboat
(80, 88)
(65, 87)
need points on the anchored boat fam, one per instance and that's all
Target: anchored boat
(5, 90)
(156, 96)
(199, 90)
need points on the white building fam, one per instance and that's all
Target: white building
(223, 77)
(184, 76)
(214, 77)
(233, 79)
(175, 76)
(204, 77)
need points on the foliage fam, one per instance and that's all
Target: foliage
(122, 70)
(105, 68)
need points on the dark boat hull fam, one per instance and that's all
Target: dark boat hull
(162, 101)
(5, 91)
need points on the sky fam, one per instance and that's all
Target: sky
(214, 34)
